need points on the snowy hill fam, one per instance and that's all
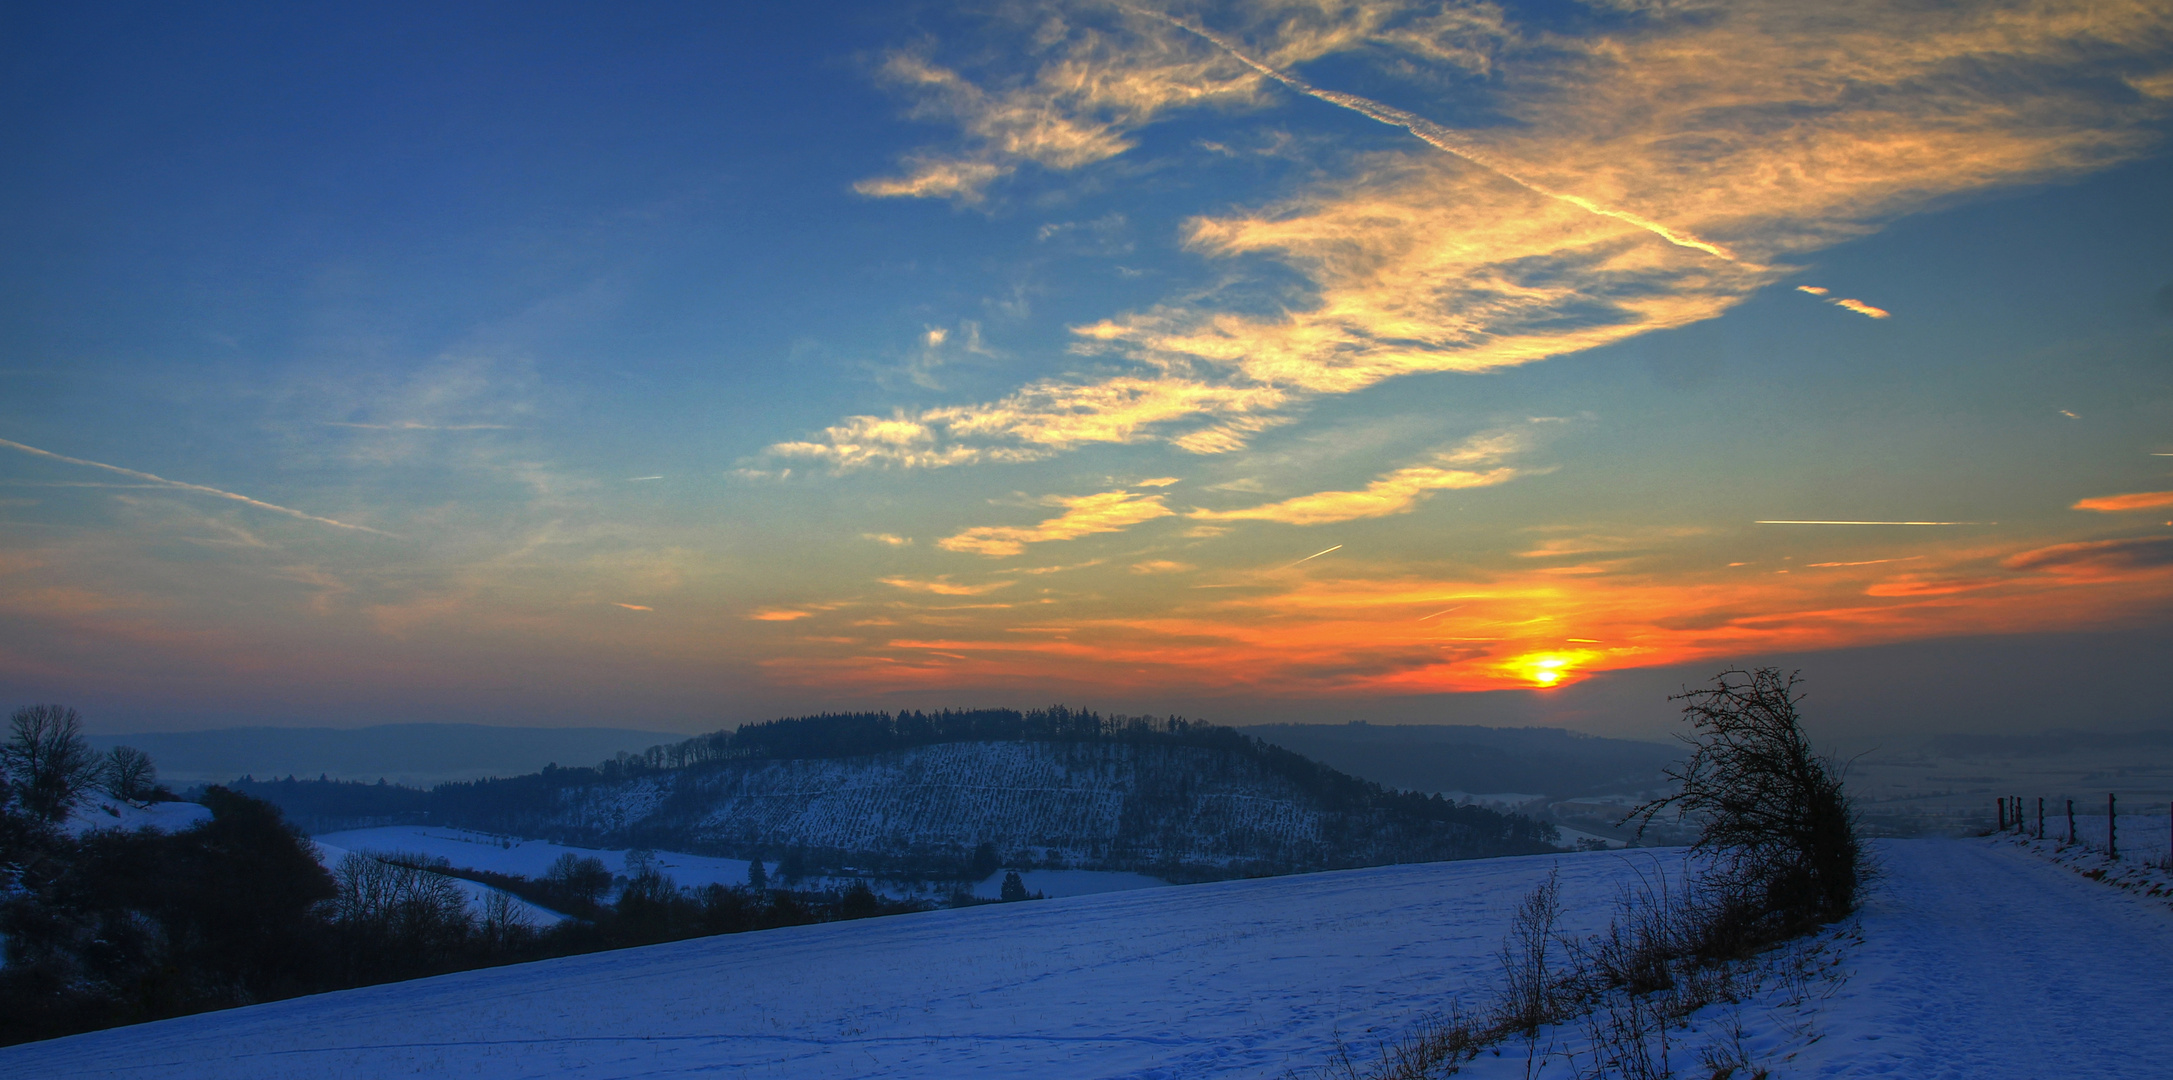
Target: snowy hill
(1188, 811)
(1975, 959)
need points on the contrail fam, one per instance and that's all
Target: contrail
(1875, 523)
(1442, 612)
(1310, 558)
(1848, 303)
(163, 482)
(1441, 138)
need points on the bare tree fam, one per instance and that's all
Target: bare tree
(47, 760)
(129, 774)
(1772, 817)
(577, 880)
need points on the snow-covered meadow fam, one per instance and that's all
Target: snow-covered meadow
(1976, 959)
(532, 858)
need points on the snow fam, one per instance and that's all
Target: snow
(104, 812)
(1981, 960)
(1976, 958)
(1571, 837)
(528, 858)
(478, 894)
(1054, 883)
(531, 858)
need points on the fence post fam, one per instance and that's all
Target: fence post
(2040, 817)
(2112, 829)
(2070, 821)
(2003, 813)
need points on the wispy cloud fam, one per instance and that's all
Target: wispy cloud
(943, 586)
(2139, 500)
(178, 485)
(412, 425)
(1084, 515)
(1396, 492)
(633, 607)
(1445, 140)
(1161, 566)
(891, 539)
(1757, 131)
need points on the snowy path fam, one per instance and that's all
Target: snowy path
(1978, 961)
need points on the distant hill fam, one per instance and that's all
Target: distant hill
(1480, 760)
(418, 755)
(936, 795)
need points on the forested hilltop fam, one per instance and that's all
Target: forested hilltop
(935, 795)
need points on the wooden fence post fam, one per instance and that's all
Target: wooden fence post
(2070, 821)
(2112, 829)
(2040, 817)
(2003, 813)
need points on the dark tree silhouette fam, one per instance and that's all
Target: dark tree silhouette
(129, 774)
(47, 760)
(577, 881)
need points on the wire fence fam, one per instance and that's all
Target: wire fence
(2123, 829)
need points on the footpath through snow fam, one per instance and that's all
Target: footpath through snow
(1978, 959)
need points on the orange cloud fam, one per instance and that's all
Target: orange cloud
(2140, 500)
(2100, 558)
(1384, 629)
(1084, 515)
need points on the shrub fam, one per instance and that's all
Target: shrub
(1775, 829)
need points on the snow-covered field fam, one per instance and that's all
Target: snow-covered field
(1055, 883)
(528, 858)
(1976, 959)
(531, 858)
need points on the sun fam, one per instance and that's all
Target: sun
(1547, 669)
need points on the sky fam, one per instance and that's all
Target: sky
(671, 366)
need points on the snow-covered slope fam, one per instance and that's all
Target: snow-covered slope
(1976, 960)
(100, 811)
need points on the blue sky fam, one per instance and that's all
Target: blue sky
(1329, 359)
